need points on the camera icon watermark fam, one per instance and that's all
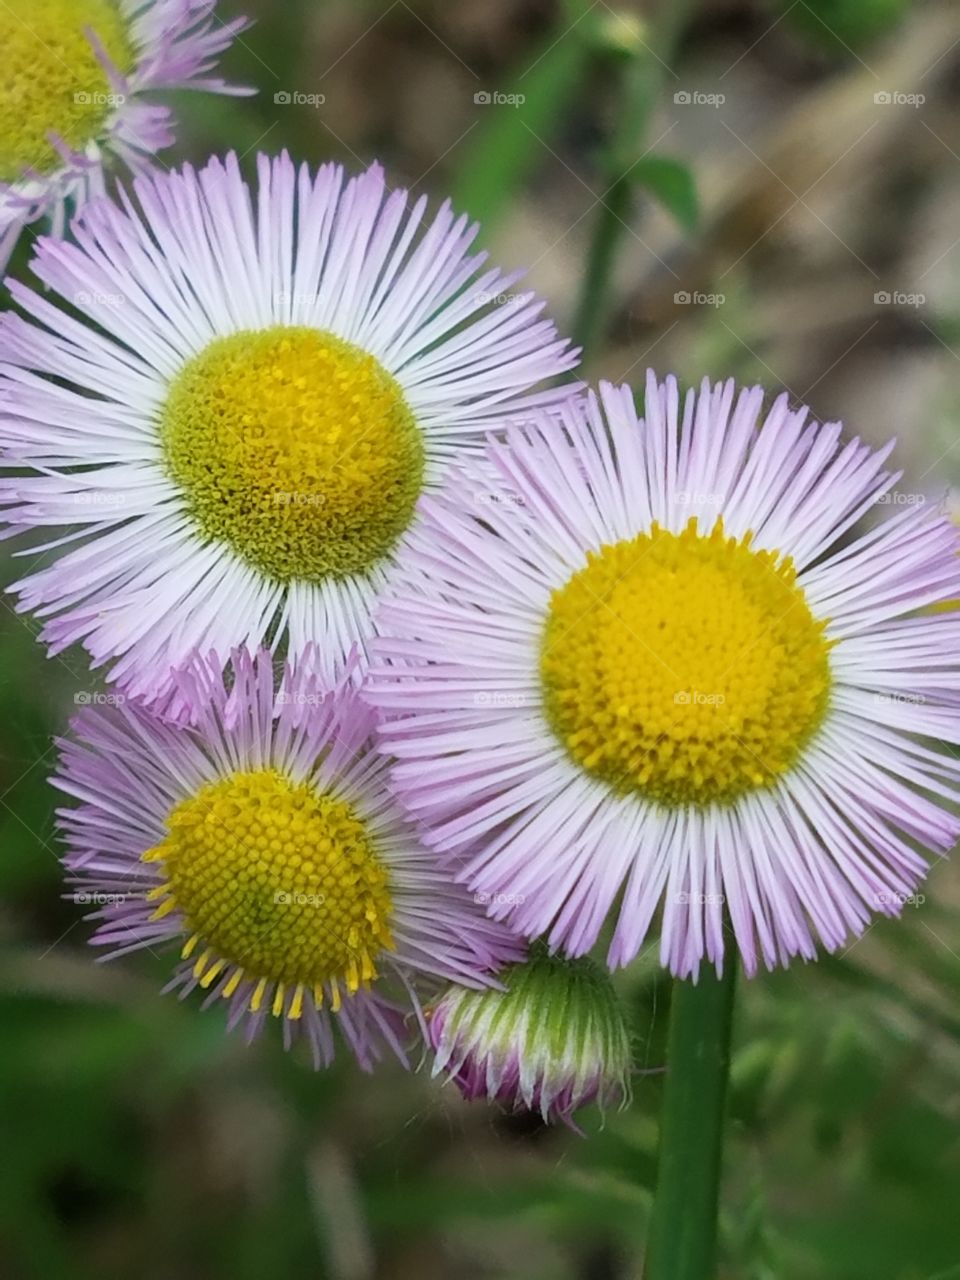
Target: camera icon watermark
(695, 98)
(300, 698)
(494, 98)
(96, 98)
(87, 298)
(893, 899)
(686, 298)
(898, 298)
(696, 698)
(501, 299)
(691, 498)
(499, 899)
(901, 498)
(285, 498)
(295, 98)
(296, 899)
(487, 698)
(99, 498)
(894, 98)
(494, 498)
(96, 698)
(295, 297)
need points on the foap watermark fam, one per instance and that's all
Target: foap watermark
(696, 98)
(692, 498)
(295, 297)
(495, 498)
(296, 98)
(895, 98)
(499, 698)
(499, 899)
(697, 698)
(494, 98)
(901, 498)
(700, 899)
(87, 298)
(99, 498)
(96, 98)
(97, 698)
(296, 899)
(299, 698)
(898, 298)
(286, 498)
(900, 699)
(501, 299)
(684, 298)
(892, 899)
(97, 898)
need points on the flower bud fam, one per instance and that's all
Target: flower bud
(555, 1039)
(623, 34)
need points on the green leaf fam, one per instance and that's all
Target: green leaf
(514, 131)
(672, 182)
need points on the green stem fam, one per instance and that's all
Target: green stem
(642, 82)
(683, 1225)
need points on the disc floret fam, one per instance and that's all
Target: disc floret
(686, 667)
(277, 883)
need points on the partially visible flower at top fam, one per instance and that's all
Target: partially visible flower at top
(553, 1041)
(72, 94)
(665, 671)
(264, 841)
(284, 371)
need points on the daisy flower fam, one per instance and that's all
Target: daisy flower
(72, 98)
(264, 383)
(263, 840)
(652, 663)
(554, 1039)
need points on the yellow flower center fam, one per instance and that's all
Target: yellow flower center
(296, 448)
(277, 881)
(685, 667)
(51, 80)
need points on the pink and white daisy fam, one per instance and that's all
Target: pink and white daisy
(264, 841)
(642, 664)
(238, 432)
(74, 95)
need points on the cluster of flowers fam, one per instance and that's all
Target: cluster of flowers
(430, 667)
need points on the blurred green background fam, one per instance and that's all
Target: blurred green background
(786, 213)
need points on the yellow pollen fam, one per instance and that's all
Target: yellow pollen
(52, 81)
(277, 881)
(297, 449)
(685, 667)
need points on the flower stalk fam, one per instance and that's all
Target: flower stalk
(683, 1226)
(642, 81)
